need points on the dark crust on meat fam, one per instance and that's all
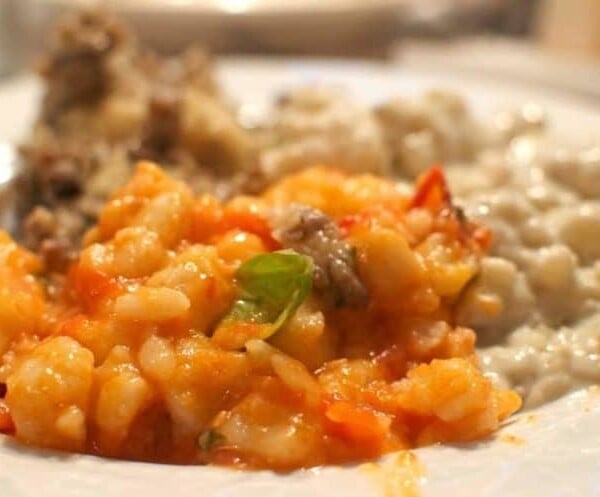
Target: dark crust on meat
(58, 170)
(49, 234)
(310, 232)
(39, 225)
(160, 133)
(75, 70)
(87, 63)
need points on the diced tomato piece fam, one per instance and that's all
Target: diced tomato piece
(70, 325)
(432, 190)
(347, 223)
(355, 423)
(6, 422)
(483, 237)
(90, 285)
(207, 219)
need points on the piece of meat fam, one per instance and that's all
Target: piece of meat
(48, 233)
(64, 223)
(58, 171)
(161, 131)
(107, 104)
(75, 70)
(64, 180)
(310, 232)
(57, 254)
(38, 226)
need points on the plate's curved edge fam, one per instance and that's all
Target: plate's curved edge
(526, 457)
(255, 79)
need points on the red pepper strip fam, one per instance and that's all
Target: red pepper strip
(433, 181)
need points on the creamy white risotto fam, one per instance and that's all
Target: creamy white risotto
(536, 304)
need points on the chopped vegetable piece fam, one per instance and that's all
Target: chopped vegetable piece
(358, 424)
(6, 422)
(432, 189)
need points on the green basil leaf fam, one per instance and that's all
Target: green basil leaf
(274, 277)
(273, 286)
(210, 439)
(248, 310)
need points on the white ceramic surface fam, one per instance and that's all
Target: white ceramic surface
(503, 57)
(550, 452)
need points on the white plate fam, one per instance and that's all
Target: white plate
(503, 57)
(254, 81)
(550, 452)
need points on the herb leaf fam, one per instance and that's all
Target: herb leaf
(273, 286)
(210, 439)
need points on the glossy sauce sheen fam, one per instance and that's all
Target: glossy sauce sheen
(127, 353)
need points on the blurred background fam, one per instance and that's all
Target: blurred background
(549, 42)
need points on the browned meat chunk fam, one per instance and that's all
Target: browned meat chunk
(310, 232)
(39, 225)
(51, 233)
(109, 103)
(161, 131)
(75, 70)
